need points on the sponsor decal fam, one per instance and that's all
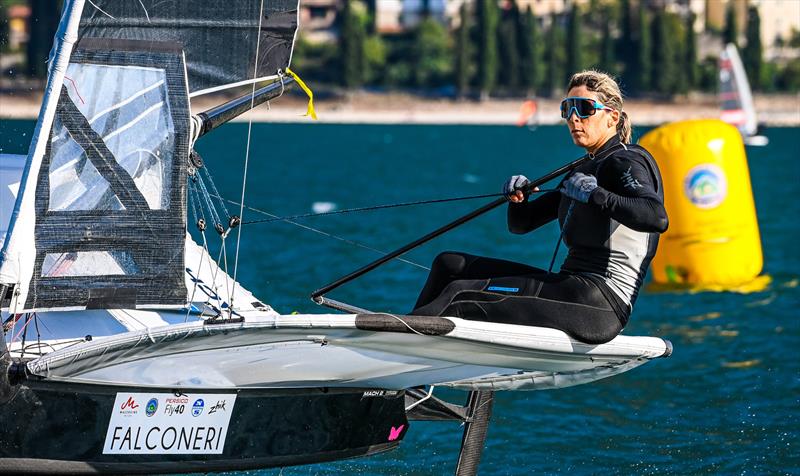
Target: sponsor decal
(128, 407)
(218, 407)
(197, 407)
(502, 289)
(174, 409)
(628, 181)
(705, 185)
(173, 431)
(395, 433)
(152, 407)
(379, 393)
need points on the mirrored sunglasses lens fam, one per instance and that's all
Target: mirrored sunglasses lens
(564, 108)
(584, 107)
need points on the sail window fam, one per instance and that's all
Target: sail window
(88, 263)
(75, 183)
(127, 108)
(110, 203)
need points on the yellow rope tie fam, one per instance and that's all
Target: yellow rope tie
(308, 92)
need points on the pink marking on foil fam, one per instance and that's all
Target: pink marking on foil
(394, 433)
(75, 87)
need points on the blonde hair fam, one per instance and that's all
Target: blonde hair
(608, 93)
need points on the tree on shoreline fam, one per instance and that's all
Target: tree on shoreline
(463, 56)
(432, 63)
(351, 37)
(531, 52)
(752, 54)
(690, 54)
(487, 56)
(574, 36)
(508, 36)
(731, 32)
(607, 57)
(554, 57)
(42, 26)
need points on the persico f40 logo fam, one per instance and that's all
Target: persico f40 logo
(197, 430)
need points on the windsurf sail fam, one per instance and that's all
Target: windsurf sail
(735, 97)
(100, 214)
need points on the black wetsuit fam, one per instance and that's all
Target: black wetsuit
(611, 241)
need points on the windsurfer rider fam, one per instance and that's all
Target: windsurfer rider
(611, 212)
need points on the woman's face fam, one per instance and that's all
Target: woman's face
(593, 131)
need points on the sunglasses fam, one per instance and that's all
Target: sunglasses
(583, 107)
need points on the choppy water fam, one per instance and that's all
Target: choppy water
(726, 402)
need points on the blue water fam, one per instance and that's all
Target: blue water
(699, 412)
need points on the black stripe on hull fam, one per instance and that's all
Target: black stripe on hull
(61, 428)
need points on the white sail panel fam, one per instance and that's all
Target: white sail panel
(734, 92)
(128, 108)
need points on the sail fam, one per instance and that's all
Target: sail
(100, 215)
(734, 92)
(220, 38)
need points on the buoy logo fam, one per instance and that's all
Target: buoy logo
(705, 185)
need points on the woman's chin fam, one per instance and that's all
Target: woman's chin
(579, 141)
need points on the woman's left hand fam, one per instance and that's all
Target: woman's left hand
(579, 187)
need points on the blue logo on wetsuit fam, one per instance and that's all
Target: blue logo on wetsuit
(502, 289)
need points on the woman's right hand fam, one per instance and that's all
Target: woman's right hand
(512, 187)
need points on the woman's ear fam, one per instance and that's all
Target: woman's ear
(613, 119)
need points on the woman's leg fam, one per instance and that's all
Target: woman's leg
(451, 266)
(570, 303)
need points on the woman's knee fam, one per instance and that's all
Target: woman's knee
(450, 262)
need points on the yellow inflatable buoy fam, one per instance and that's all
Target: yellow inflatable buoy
(713, 242)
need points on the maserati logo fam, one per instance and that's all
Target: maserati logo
(131, 403)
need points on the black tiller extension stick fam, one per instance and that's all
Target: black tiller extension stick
(316, 296)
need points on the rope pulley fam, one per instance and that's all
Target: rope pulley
(195, 163)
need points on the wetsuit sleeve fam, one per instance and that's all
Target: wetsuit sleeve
(527, 216)
(627, 193)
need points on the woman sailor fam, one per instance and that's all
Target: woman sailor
(611, 212)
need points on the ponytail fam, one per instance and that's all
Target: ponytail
(624, 128)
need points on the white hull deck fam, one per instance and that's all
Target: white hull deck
(334, 350)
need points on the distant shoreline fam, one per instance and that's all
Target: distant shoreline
(398, 108)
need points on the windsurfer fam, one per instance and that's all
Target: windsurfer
(611, 212)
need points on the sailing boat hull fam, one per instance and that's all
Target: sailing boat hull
(57, 427)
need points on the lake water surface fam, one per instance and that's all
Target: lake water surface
(726, 402)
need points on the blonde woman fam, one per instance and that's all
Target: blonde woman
(611, 212)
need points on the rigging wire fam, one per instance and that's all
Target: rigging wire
(329, 235)
(368, 208)
(202, 228)
(561, 236)
(247, 153)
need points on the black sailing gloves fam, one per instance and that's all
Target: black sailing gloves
(579, 187)
(515, 183)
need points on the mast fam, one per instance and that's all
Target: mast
(17, 253)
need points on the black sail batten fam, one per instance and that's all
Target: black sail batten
(151, 239)
(98, 154)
